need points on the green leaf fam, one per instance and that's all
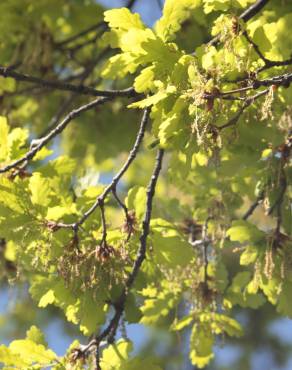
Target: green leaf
(284, 301)
(244, 231)
(34, 334)
(40, 189)
(222, 324)
(120, 65)
(123, 19)
(249, 255)
(32, 352)
(171, 251)
(58, 212)
(184, 322)
(91, 314)
(133, 313)
(136, 200)
(174, 14)
(47, 298)
(157, 305)
(17, 138)
(9, 358)
(4, 130)
(151, 100)
(239, 292)
(9, 192)
(144, 81)
(116, 355)
(201, 345)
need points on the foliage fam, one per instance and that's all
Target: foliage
(78, 222)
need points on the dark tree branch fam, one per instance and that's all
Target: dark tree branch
(234, 119)
(115, 180)
(130, 3)
(268, 63)
(253, 206)
(141, 255)
(274, 63)
(253, 10)
(278, 202)
(255, 46)
(160, 4)
(53, 133)
(110, 331)
(59, 85)
(282, 80)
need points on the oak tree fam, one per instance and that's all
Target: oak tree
(145, 172)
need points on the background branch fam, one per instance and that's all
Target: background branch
(64, 86)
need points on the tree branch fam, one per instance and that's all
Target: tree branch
(59, 85)
(130, 4)
(282, 80)
(246, 104)
(253, 10)
(253, 206)
(110, 331)
(84, 32)
(115, 180)
(53, 133)
(268, 63)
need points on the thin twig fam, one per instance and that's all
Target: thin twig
(103, 223)
(234, 119)
(56, 118)
(84, 32)
(246, 104)
(268, 63)
(121, 204)
(255, 46)
(281, 80)
(73, 49)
